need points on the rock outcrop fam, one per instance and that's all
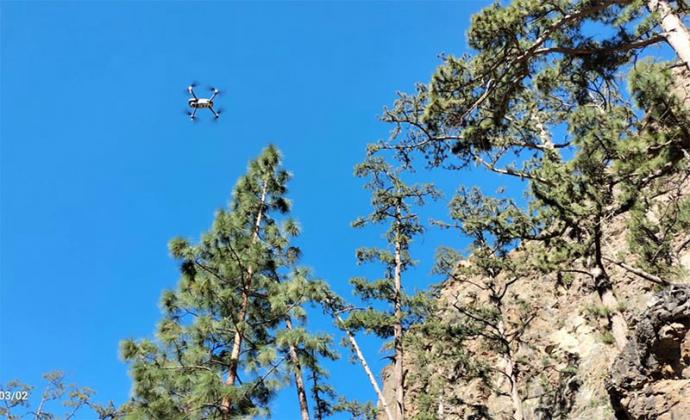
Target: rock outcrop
(569, 365)
(650, 378)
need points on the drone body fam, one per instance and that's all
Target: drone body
(200, 103)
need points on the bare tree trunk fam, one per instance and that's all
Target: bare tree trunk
(398, 372)
(618, 325)
(511, 373)
(365, 365)
(244, 309)
(299, 381)
(237, 342)
(514, 392)
(675, 32)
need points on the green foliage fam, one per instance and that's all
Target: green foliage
(437, 349)
(598, 311)
(357, 410)
(654, 230)
(540, 100)
(239, 286)
(484, 280)
(607, 338)
(537, 70)
(558, 397)
(19, 401)
(393, 202)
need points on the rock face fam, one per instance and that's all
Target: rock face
(568, 365)
(650, 379)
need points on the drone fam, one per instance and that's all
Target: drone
(199, 103)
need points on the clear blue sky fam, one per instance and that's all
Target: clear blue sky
(100, 168)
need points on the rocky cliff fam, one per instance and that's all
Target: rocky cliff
(562, 361)
(571, 367)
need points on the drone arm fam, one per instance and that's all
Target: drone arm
(191, 92)
(217, 115)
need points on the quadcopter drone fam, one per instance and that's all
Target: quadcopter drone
(198, 103)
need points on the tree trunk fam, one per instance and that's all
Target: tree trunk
(619, 328)
(318, 413)
(675, 32)
(365, 365)
(299, 381)
(617, 323)
(511, 373)
(244, 309)
(398, 372)
(237, 342)
(514, 393)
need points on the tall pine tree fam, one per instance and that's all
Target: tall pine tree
(228, 337)
(393, 203)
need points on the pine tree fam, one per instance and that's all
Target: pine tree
(537, 72)
(487, 276)
(233, 312)
(393, 202)
(304, 349)
(654, 170)
(436, 347)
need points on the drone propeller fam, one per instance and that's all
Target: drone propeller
(218, 114)
(190, 115)
(188, 90)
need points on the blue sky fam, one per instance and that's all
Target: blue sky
(100, 168)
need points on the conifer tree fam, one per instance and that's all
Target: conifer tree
(233, 312)
(305, 350)
(437, 348)
(488, 273)
(393, 203)
(335, 306)
(538, 75)
(322, 393)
